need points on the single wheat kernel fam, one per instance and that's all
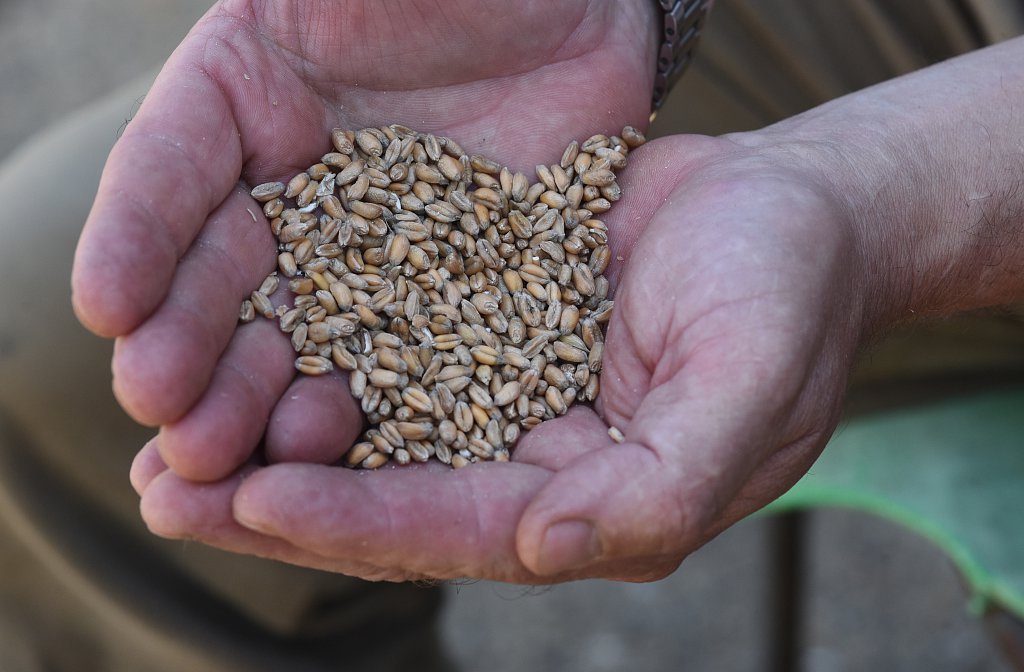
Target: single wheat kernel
(374, 461)
(267, 191)
(313, 365)
(247, 313)
(261, 304)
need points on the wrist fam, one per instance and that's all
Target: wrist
(931, 183)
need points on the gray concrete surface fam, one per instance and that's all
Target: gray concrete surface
(879, 598)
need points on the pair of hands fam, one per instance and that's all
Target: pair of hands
(737, 306)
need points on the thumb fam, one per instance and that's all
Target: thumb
(613, 504)
(688, 451)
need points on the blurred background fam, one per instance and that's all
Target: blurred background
(876, 596)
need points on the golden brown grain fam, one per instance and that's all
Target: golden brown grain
(464, 302)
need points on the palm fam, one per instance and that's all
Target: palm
(512, 81)
(171, 248)
(717, 423)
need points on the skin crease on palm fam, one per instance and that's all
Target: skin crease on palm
(745, 286)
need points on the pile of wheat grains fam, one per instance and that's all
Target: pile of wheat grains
(465, 301)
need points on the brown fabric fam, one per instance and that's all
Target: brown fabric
(83, 585)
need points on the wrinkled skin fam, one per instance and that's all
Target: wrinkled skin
(726, 356)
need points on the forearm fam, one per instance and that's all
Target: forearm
(931, 169)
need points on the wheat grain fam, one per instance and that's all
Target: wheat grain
(465, 302)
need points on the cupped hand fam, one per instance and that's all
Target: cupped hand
(739, 306)
(174, 242)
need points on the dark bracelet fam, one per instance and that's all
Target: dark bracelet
(682, 23)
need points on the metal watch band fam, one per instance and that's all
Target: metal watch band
(683, 20)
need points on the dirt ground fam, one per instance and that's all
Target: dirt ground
(878, 598)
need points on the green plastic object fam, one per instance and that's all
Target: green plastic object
(951, 471)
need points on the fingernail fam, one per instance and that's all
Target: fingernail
(247, 520)
(257, 525)
(569, 544)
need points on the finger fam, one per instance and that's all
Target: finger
(162, 368)
(568, 527)
(425, 520)
(772, 479)
(176, 508)
(316, 420)
(215, 113)
(176, 161)
(225, 426)
(146, 466)
(429, 520)
(555, 443)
